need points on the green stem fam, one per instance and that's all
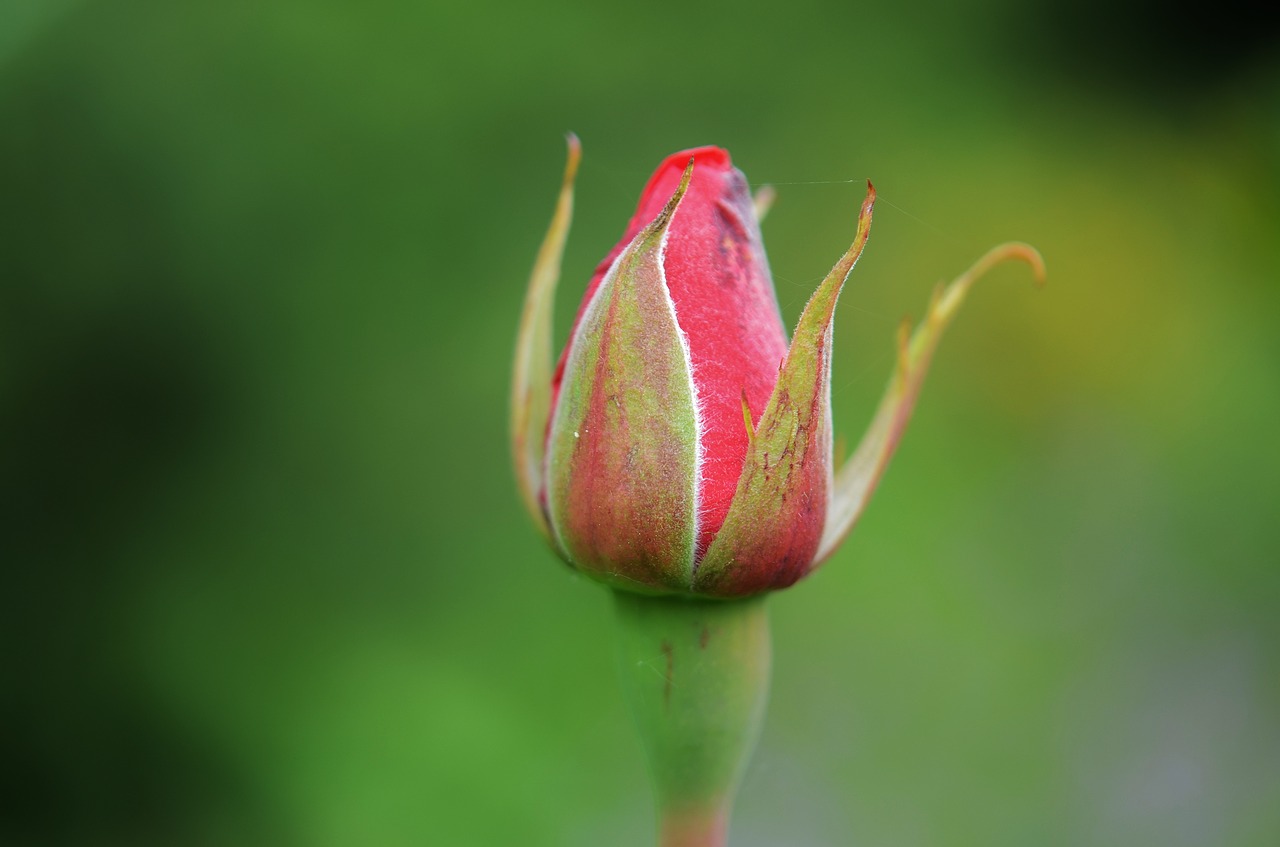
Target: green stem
(696, 674)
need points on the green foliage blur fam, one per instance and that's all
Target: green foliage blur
(266, 580)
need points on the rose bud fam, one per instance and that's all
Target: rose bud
(682, 445)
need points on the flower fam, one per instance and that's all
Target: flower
(681, 445)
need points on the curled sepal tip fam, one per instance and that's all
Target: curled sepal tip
(775, 522)
(531, 384)
(858, 477)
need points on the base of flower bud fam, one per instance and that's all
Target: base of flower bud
(696, 675)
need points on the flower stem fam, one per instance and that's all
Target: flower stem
(696, 675)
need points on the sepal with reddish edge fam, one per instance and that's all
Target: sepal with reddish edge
(623, 459)
(531, 384)
(858, 477)
(775, 523)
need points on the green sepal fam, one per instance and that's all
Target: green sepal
(531, 384)
(622, 466)
(858, 477)
(775, 522)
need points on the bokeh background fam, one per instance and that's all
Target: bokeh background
(266, 578)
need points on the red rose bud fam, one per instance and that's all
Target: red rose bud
(681, 445)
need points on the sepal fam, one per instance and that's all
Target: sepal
(858, 477)
(775, 523)
(531, 384)
(623, 455)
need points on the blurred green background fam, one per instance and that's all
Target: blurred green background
(266, 578)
